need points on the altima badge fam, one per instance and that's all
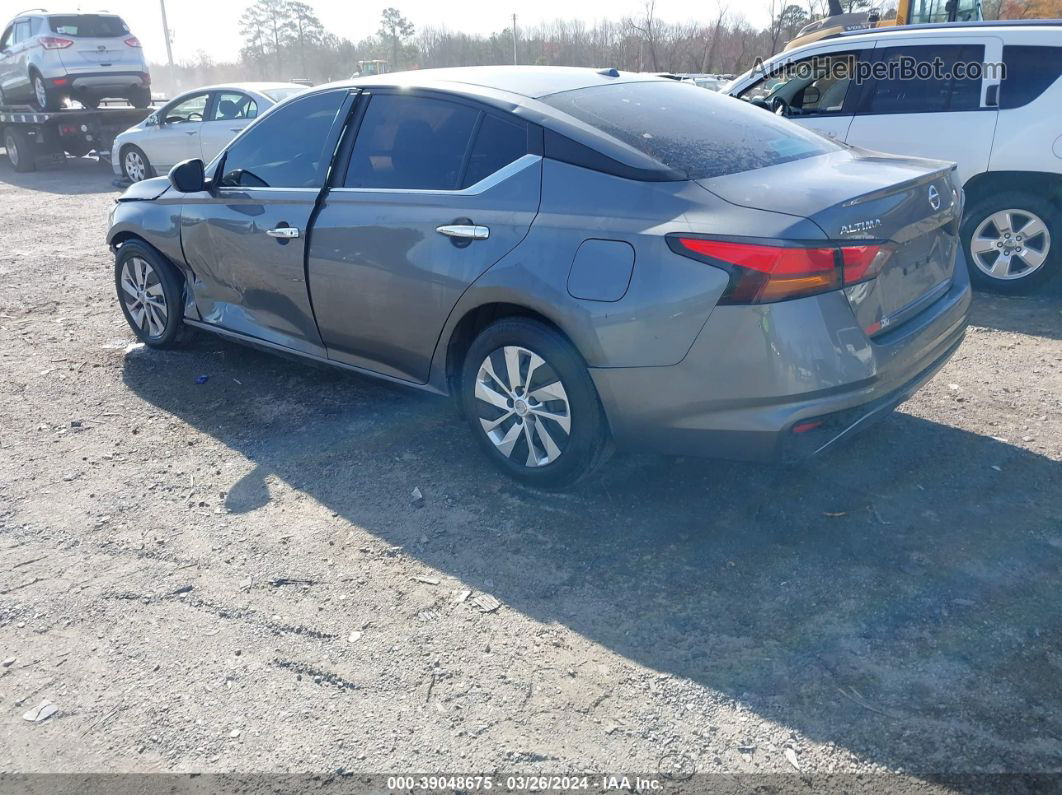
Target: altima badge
(861, 227)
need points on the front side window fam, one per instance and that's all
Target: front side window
(687, 129)
(813, 86)
(188, 110)
(1030, 71)
(411, 142)
(6, 39)
(288, 147)
(88, 25)
(904, 92)
(234, 106)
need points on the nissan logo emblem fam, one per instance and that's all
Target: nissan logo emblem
(934, 197)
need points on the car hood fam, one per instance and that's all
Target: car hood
(145, 190)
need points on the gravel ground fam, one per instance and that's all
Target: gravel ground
(232, 576)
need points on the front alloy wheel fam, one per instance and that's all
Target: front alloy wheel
(532, 406)
(523, 406)
(151, 293)
(144, 297)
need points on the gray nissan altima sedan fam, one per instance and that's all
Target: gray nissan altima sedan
(582, 258)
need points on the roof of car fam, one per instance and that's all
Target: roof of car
(259, 87)
(527, 81)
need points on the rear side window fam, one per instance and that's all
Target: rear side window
(88, 25)
(498, 143)
(22, 31)
(234, 106)
(904, 94)
(411, 142)
(1030, 71)
(287, 148)
(688, 129)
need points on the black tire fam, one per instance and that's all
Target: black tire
(1032, 205)
(52, 100)
(149, 170)
(140, 98)
(174, 332)
(20, 152)
(587, 444)
(91, 103)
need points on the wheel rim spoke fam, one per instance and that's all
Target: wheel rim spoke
(512, 366)
(530, 403)
(507, 442)
(1032, 258)
(1001, 267)
(984, 245)
(1032, 228)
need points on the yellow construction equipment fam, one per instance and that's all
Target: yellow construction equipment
(897, 12)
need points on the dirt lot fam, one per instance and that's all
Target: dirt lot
(231, 576)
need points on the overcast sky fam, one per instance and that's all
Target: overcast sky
(211, 25)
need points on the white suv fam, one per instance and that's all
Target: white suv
(45, 57)
(1003, 128)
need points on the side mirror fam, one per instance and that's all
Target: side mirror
(152, 120)
(188, 176)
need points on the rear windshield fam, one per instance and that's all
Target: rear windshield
(280, 94)
(90, 25)
(691, 129)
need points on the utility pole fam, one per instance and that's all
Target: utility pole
(514, 40)
(166, 33)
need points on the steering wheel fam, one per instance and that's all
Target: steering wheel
(779, 107)
(193, 116)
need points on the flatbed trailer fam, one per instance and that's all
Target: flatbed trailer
(32, 137)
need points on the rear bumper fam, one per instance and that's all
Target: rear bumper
(100, 82)
(756, 373)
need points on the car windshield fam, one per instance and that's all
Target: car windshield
(280, 94)
(700, 133)
(90, 25)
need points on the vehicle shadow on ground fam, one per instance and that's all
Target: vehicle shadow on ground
(899, 598)
(77, 177)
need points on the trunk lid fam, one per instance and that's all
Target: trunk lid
(856, 196)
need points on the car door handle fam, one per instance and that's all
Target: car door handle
(284, 232)
(190, 132)
(464, 231)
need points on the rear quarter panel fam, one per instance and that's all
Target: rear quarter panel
(669, 298)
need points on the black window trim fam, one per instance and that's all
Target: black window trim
(868, 88)
(339, 173)
(327, 168)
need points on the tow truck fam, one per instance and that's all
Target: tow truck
(903, 12)
(33, 138)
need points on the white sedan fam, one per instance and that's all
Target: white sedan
(196, 124)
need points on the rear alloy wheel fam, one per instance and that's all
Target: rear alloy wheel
(19, 150)
(151, 295)
(532, 405)
(1011, 242)
(43, 97)
(135, 164)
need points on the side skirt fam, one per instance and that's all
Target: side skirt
(271, 347)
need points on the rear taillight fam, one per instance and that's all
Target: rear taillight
(54, 43)
(764, 272)
(132, 41)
